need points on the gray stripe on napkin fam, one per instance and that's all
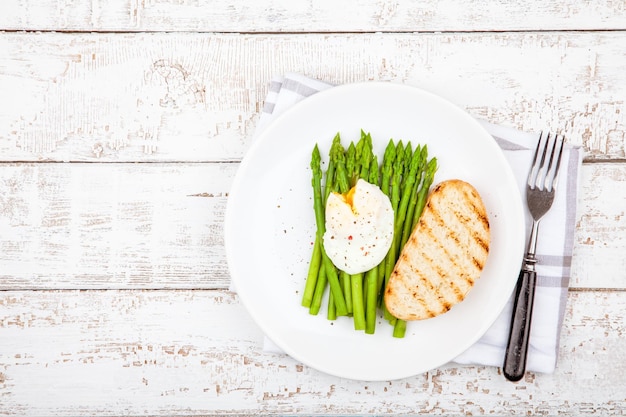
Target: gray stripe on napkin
(564, 261)
(298, 88)
(553, 282)
(571, 199)
(507, 145)
(268, 107)
(275, 86)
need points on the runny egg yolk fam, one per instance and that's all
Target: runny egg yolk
(349, 197)
(359, 228)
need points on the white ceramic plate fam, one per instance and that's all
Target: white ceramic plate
(270, 228)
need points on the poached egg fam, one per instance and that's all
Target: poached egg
(359, 228)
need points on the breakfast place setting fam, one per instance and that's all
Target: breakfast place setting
(428, 270)
(280, 208)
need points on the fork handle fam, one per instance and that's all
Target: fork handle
(517, 347)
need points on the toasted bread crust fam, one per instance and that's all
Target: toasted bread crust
(444, 255)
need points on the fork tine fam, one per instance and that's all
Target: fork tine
(538, 160)
(552, 170)
(534, 167)
(561, 143)
(546, 162)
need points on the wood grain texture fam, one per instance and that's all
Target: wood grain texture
(198, 352)
(196, 97)
(307, 16)
(601, 233)
(98, 226)
(113, 225)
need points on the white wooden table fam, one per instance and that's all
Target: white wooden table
(121, 127)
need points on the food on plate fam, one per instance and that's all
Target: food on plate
(443, 257)
(348, 262)
(359, 227)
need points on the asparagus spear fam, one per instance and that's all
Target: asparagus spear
(399, 327)
(346, 285)
(366, 156)
(408, 224)
(320, 287)
(406, 195)
(331, 272)
(371, 277)
(385, 183)
(342, 177)
(396, 178)
(358, 154)
(312, 276)
(371, 303)
(316, 257)
(406, 163)
(422, 194)
(358, 309)
(387, 167)
(362, 156)
(366, 168)
(335, 156)
(351, 163)
(373, 170)
(335, 150)
(331, 313)
(342, 184)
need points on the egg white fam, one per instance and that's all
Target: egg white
(359, 228)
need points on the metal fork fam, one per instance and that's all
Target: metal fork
(540, 190)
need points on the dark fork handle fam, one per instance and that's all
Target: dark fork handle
(517, 347)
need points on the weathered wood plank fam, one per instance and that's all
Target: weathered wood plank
(113, 225)
(307, 16)
(161, 226)
(598, 258)
(198, 352)
(196, 97)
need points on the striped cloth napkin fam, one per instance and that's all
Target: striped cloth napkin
(554, 251)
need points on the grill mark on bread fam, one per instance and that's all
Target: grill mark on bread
(453, 262)
(466, 223)
(441, 285)
(414, 295)
(426, 283)
(430, 231)
(481, 242)
(444, 255)
(446, 261)
(459, 294)
(473, 199)
(477, 263)
(481, 216)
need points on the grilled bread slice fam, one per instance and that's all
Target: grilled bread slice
(444, 255)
